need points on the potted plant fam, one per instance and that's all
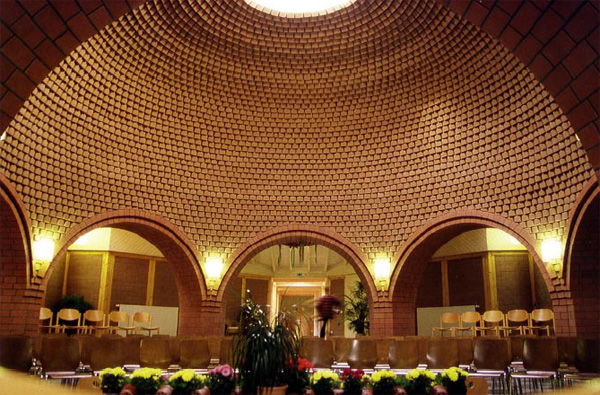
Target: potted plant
(384, 382)
(263, 349)
(220, 380)
(186, 381)
(112, 380)
(298, 380)
(353, 381)
(454, 379)
(356, 310)
(324, 382)
(417, 381)
(146, 380)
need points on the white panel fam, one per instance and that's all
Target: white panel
(167, 318)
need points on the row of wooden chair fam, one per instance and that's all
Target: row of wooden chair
(496, 322)
(95, 322)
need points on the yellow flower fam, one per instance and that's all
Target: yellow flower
(377, 376)
(114, 371)
(187, 375)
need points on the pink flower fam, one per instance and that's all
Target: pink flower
(226, 371)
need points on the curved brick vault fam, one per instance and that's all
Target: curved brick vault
(369, 121)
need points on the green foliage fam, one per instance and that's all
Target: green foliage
(72, 302)
(356, 310)
(262, 350)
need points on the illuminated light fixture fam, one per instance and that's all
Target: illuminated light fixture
(551, 255)
(43, 252)
(299, 8)
(214, 268)
(382, 273)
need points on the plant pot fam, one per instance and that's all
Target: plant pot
(272, 390)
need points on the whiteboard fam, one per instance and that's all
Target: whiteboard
(428, 317)
(166, 318)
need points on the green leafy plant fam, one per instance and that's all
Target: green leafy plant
(72, 302)
(262, 350)
(220, 380)
(356, 310)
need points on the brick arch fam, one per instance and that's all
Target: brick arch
(178, 250)
(18, 296)
(411, 261)
(300, 234)
(581, 262)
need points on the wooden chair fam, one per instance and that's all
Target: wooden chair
(194, 354)
(93, 320)
(449, 318)
(45, 325)
(540, 320)
(16, 352)
(491, 359)
(341, 349)
(71, 316)
(106, 352)
(469, 321)
(516, 320)
(404, 355)
(60, 354)
(318, 351)
(155, 352)
(541, 362)
(442, 354)
(492, 320)
(114, 321)
(226, 351)
(363, 354)
(144, 318)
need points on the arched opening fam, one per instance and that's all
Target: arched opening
(165, 246)
(291, 267)
(583, 270)
(115, 269)
(448, 264)
(19, 315)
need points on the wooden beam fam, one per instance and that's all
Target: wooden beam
(445, 286)
(66, 273)
(151, 279)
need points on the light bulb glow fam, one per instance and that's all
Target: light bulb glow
(43, 250)
(214, 267)
(300, 7)
(551, 250)
(382, 268)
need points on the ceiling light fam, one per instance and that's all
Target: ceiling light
(300, 7)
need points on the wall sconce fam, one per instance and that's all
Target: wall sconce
(42, 254)
(551, 255)
(382, 273)
(213, 268)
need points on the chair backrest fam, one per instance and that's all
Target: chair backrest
(470, 318)
(341, 348)
(194, 353)
(491, 353)
(516, 346)
(95, 317)
(318, 351)
(131, 349)
(494, 317)
(567, 348)
(142, 318)
(363, 354)
(540, 354)
(587, 355)
(517, 316)
(383, 349)
(450, 318)
(117, 317)
(68, 316)
(16, 352)
(442, 353)
(404, 354)
(542, 315)
(46, 314)
(465, 350)
(106, 352)
(155, 352)
(60, 354)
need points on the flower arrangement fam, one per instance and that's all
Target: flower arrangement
(454, 379)
(384, 382)
(353, 381)
(418, 381)
(220, 380)
(146, 380)
(298, 378)
(112, 380)
(186, 381)
(324, 381)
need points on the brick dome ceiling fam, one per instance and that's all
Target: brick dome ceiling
(228, 121)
